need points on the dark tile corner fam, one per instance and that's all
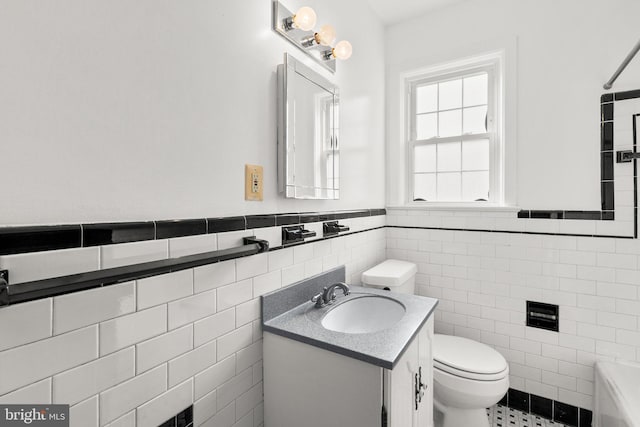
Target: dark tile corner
(518, 400)
(564, 413)
(586, 418)
(542, 406)
(607, 97)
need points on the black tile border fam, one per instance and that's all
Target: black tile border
(260, 221)
(547, 408)
(541, 406)
(607, 161)
(117, 232)
(537, 233)
(636, 118)
(183, 419)
(16, 240)
(19, 240)
(180, 228)
(224, 224)
(631, 94)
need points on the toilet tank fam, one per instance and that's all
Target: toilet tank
(393, 275)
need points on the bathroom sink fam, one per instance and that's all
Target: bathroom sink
(364, 315)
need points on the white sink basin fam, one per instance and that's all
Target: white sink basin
(364, 315)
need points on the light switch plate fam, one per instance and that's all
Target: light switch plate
(253, 182)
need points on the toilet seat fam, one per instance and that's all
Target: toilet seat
(468, 359)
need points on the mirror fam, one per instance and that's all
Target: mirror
(308, 149)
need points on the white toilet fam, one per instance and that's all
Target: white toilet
(468, 376)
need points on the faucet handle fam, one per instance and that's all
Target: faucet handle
(319, 300)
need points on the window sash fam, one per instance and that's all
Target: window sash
(491, 134)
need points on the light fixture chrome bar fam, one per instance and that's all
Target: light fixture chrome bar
(622, 66)
(282, 25)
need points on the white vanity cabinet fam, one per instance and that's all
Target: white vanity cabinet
(308, 386)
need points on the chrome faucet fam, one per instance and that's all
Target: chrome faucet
(328, 296)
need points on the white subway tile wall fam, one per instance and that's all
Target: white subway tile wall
(137, 353)
(484, 278)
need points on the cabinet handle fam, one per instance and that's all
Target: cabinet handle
(420, 387)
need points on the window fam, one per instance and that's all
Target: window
(453, 135)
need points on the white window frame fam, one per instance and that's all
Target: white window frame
(493, 65)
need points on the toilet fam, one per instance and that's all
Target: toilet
(468, 376)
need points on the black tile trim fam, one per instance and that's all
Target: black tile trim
(229, 223)
(538, 214)
(631, 94)
(551, 409)
(538, 233)
(566, 414)
(17, 240)
(260, 221)
(607, 196)
(607, 97)
(352, 214)
(636, 118)
(546, 214)
(593, 215)
(180, 228)
(287, 219)
(312, 217)
(541, 406)
(606, 136)
(120, 232)
(606, 112)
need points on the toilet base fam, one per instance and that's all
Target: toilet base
(456, 417)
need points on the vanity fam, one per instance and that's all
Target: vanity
(363, 360)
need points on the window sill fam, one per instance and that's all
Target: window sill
(435, 206)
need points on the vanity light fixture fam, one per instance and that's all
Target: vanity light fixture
(342, 50)
(325, 36)
(298, 29)
(304, 19)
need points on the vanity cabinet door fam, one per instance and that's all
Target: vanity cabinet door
(400, 391)
(405, 408)
(425, 358)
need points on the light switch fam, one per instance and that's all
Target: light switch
(253, 175)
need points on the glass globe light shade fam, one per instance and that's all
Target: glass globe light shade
(343, 50)
(326, 35)
(305, 18)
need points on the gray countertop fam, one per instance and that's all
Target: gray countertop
(383, 348)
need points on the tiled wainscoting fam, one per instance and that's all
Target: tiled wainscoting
(484, 278)
(137, 353)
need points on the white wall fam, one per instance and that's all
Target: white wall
(120, 110)
(561, 54)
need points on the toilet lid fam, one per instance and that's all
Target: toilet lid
(467, 358)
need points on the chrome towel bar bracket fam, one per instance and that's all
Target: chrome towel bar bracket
(626, 156)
